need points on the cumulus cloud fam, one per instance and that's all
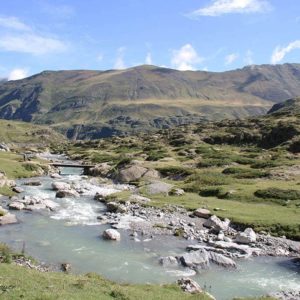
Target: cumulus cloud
(148, 59)
(31, 43)
(280, 52)
(13, 23)
(230, 58)
(20, 37)
(17, 74)
(119, 62)
(185, 58)
(221, 7)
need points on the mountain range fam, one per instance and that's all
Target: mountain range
(94, 104)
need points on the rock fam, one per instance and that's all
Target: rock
(286, 295)
(196, 259)
(16, 205)
(17, 189)
(246, 237)
(58, 186)
(66, 267)
(112, 206)
(167, 261)
(159, 187)
(4, 147)
(221, 236)
(66, 193)
(190, 286)
(111, 234)
(139, 199)
(99, 197)
(131, 173)
(55, 176)
(50, 204)
(215, 224)
(37, 206)
(227, 239)
(177, 192)
(202, 213)
(33, 183)
(100, 170)
(8, 219)
(152, 174)
(221, 260)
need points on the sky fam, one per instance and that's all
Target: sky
(210, 35)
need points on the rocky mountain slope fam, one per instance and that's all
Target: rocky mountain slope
(94, 104)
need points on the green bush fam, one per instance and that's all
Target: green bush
(275, 193)
(156, 155)
(265, 164)
(31, 167)
(207, 163)
(175, 171)
(211, 192)
(5, 254)
(241, 173)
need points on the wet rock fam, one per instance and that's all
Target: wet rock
(190, 286)
(221, 260)
(16, 205)
(58, 186)
(286, 295)
(66, 193)
(17, 189)
(111, 234)
(167, 261)
(202, 213)
(221, 236)
(112, 206)
(197, 259)
(99, 197)
(66, 267)
(8, 218)
(50, 204)
(37, 206)
(55, 176)
(33, 183)
(246, 237)
(216, 225)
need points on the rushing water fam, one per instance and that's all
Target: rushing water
(72, 234)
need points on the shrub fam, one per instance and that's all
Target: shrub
(31, 167)
(175, 171)
(5, 254)
(244, 173)
(211, 192)
(275, 193)
(265, 164)
(156, 155)
(207, 163)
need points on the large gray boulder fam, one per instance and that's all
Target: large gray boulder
(202, 213)
(8, 218)
(190, 286)
(246, 237)
(33, 183)
(167, 261)
(58, 186)
(196, 259)
(159, 187)
(131, 173)
(100, 170)
(221, 260)
(111, 234)
(67, 193)
(215, 224)
(16, 205)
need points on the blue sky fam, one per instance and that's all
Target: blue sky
(213, 35)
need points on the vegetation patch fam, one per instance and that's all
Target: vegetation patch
(276, 193)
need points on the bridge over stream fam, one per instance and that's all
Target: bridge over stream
(85, 168)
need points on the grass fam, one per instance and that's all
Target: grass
(18, 282)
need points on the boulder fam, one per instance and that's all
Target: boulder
(8, 219)
(216, 225)
(152, 174)
(190, 286)
(246, 237)
(17, 189)
(4, 147)
(221, 260)
(196, 259)
(37, 206)
(138, 199)
(58, 186)
(111, 234)
(167, 261)
(33, 183)
(16, 205)
(100, 170)
(177, 192)
(55, 176)
(159, 187)
(202, 213)
(66, 193)
(50, 204)
(131, 173)
(112, 206)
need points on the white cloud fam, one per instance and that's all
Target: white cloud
(280, 52)
(230, 58)
(220, 7)
(185, 58)
(13, 23)
(17, 74)
(31, 43)
(148, 59)
(249, 58)
(119, 62)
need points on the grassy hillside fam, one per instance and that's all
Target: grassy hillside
(247, 170)
(102, 103)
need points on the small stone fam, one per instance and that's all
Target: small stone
(111, 234)
(167, 261)
(16, 205)
(202, 213)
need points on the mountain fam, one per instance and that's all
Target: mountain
(94, 104)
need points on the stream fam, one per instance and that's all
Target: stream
(72, 234)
